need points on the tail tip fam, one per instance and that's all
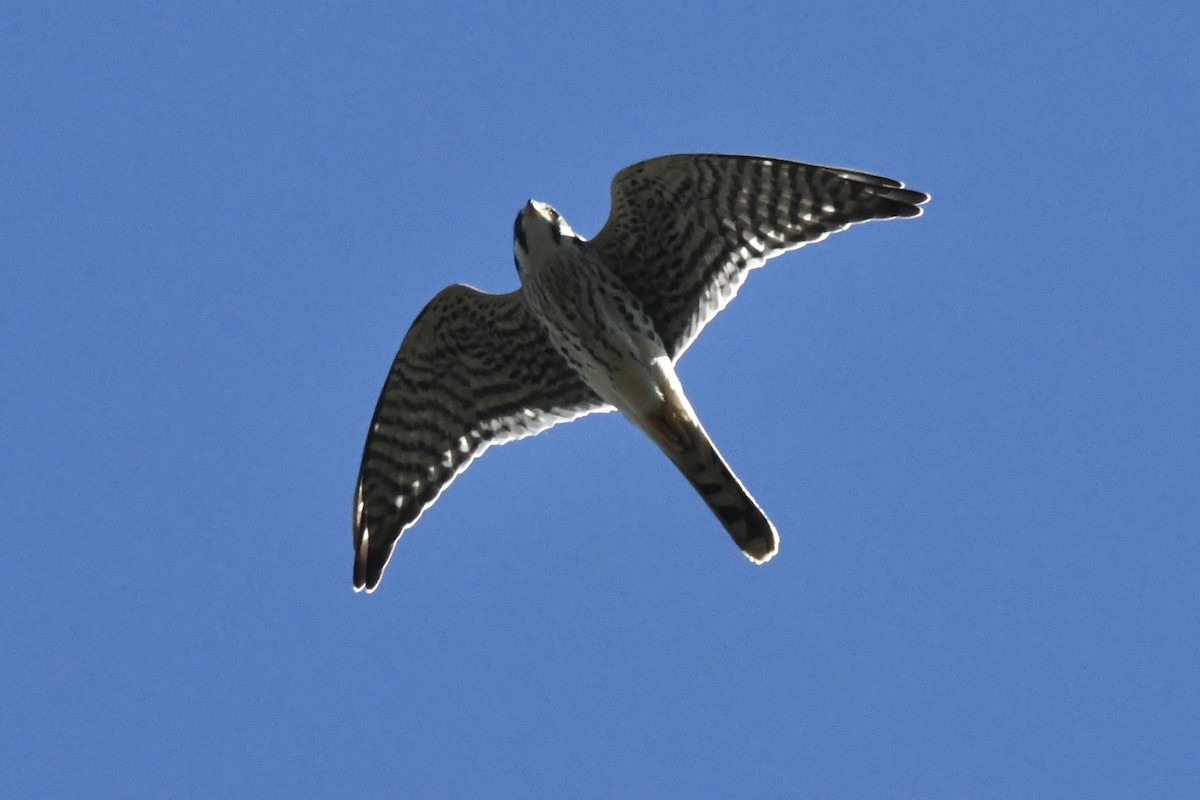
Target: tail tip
(761, 549)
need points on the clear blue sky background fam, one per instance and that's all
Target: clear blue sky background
(977, 432)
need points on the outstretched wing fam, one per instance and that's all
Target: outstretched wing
(684, 230)
(475, 369)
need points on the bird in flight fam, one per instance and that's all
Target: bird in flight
(597, 326)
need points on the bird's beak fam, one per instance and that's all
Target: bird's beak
(539, 209)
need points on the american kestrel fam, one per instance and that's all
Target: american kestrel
(598, 325)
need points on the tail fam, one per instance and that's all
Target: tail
(680, 435)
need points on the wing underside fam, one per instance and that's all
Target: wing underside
(474, 370)
(684, 230)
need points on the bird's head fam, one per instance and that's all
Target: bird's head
(537, 228)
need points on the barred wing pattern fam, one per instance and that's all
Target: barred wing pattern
(684, 230)
(475, 369)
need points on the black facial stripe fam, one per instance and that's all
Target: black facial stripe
(519, 234)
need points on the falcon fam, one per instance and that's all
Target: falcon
(597, 326)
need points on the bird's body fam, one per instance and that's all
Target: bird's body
(589, 316)
(598, 325)
(600, 328)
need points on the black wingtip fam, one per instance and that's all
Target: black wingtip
(362, 538)
(901, 202)
(361, 555)
(867, 177)
(896, 201)
(912, 209)
(365, 580)
(368, 566)
(909, 197)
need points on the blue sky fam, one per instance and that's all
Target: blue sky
(977, 431)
